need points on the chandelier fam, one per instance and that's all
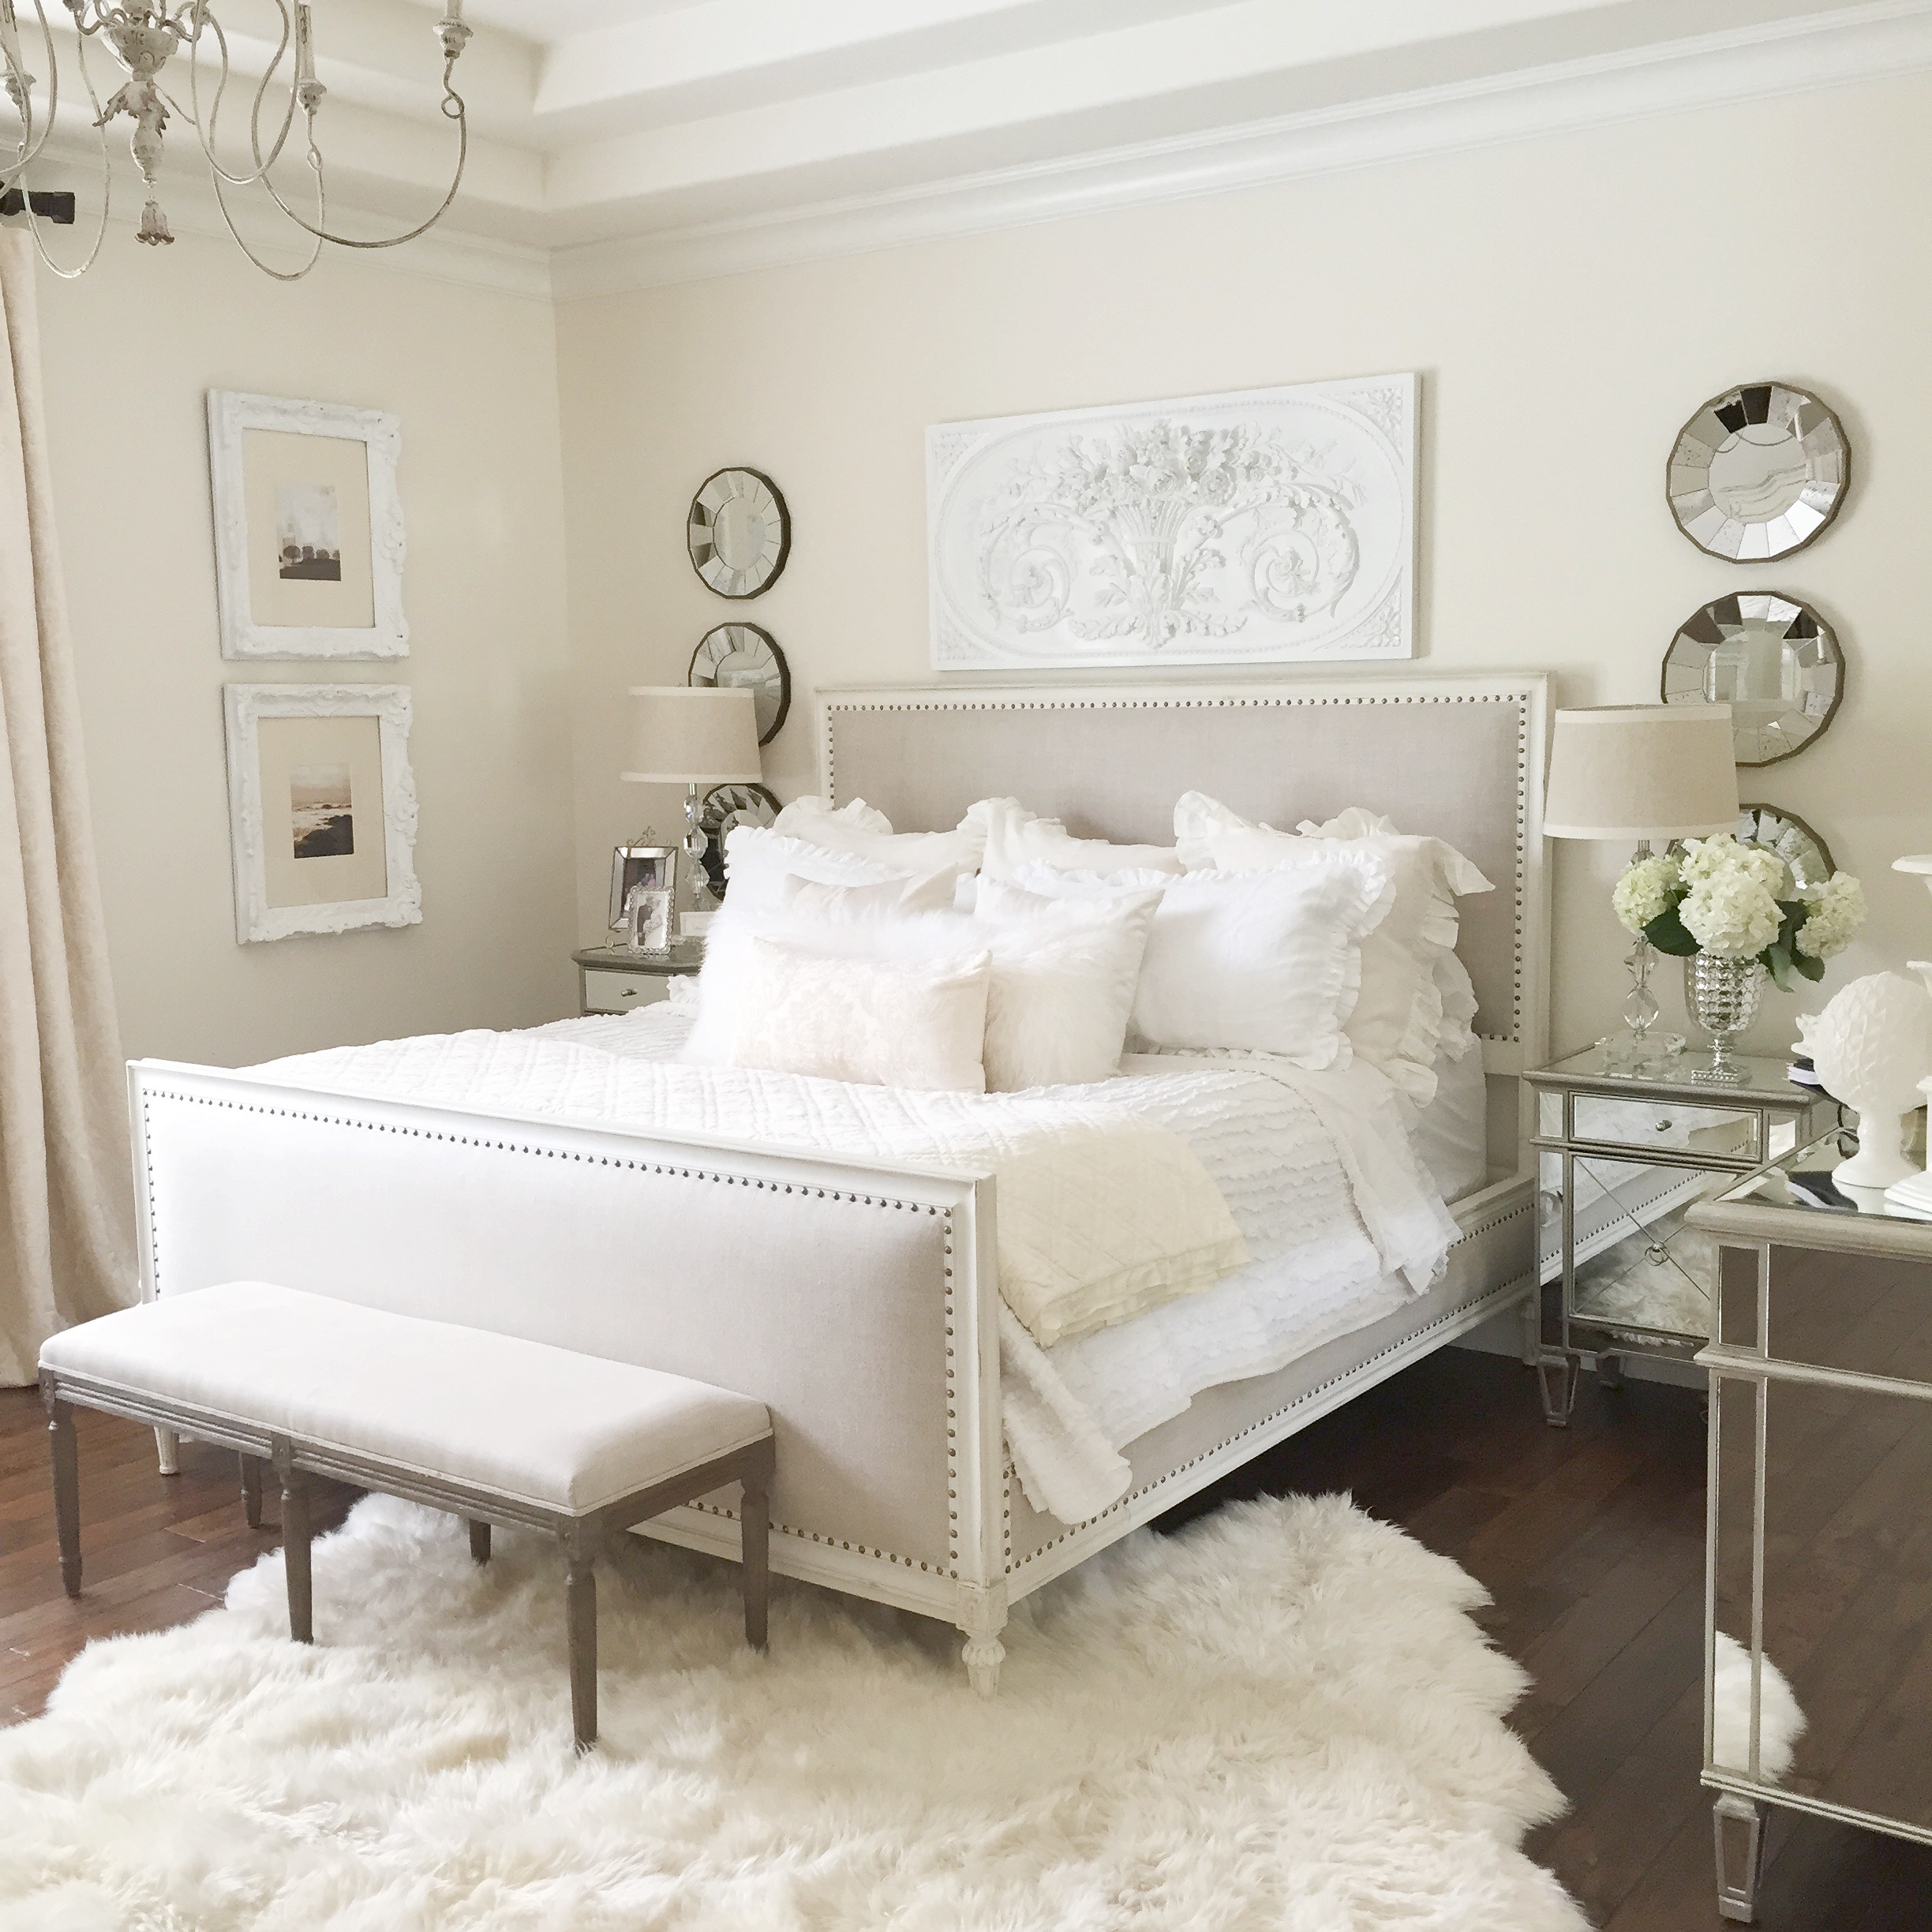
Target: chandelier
(142, 40)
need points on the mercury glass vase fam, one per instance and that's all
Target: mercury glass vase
(1722, 996)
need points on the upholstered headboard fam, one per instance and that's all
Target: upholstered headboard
(1461, 758)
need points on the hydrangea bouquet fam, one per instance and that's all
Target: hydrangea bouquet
(1740, 902)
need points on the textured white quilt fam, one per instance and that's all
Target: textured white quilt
(1315, 1170)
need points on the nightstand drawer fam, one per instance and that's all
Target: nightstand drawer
(623, 992)
(1719, 1134)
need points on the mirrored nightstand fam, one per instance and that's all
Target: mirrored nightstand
(1817, 1693)
(1622, 1158)
(613, 979)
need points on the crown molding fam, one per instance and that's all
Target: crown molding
(445, 254)
(1786, 57)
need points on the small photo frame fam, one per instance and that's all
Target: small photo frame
(648, 868)
(308, 528)
(321, 808)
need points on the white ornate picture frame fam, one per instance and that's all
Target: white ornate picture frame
(309, 541)
(1263, 526)
(349, 797)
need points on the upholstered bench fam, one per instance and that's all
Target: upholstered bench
(496, 1429)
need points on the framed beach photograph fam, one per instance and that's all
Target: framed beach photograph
(308, 528)
(322, 808)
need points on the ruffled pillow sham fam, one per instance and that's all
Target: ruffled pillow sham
(1397, 1021)
(1264, 963)
(1016, 839)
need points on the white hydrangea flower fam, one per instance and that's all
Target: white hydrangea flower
(1708, 859)
(1731, 915)
(1645, 891)
(1837, 911)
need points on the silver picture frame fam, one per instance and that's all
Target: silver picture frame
(648, 868)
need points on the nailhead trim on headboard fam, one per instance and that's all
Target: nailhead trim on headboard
(1208, 700)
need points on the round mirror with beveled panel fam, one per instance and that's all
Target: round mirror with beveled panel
(1773, 660)
(1757, 472)
(743, 656)
(1790, 838)
(739, 533)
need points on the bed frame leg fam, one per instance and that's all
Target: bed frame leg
(167, 1451)
(983, 1617)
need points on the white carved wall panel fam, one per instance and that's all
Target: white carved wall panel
(1263, 526)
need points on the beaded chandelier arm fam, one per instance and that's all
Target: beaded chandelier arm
(144, 37)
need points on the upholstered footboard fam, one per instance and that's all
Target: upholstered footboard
(856, 1303)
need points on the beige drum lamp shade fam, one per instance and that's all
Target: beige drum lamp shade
(680, 735)
(1632, 771)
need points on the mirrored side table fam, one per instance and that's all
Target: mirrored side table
(1622, 1158)
(1817, 1659)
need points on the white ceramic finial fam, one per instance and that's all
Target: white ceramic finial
(1871, 1046)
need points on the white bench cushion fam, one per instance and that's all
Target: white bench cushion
(565, 1431)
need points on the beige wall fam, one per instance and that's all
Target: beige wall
(130, 352)
(1569, 303)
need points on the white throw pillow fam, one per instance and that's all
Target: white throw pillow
(917, 1024)
(1064, 973)
(1458, 1007)
(1267, 962)
(1397, 1022)
(933, 892)
(865, 834)
(759, 860)
(1016, 839)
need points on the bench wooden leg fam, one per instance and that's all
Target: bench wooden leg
(251, 1490)
(66, 1487)
(580, 1596)
(479, 1541)
(754, 1568)
(295, 1536)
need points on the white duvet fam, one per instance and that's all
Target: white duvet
(1316, 1169)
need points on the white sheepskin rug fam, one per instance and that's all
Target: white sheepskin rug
(1282, 1718)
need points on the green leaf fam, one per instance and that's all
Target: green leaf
(1668, 934)
(1812, 969)
(1777, 955)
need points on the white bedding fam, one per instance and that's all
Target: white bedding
(1317, 1170)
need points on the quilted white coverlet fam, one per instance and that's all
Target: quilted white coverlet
(1314, 1170)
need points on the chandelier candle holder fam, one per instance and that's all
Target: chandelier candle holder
(144, 41)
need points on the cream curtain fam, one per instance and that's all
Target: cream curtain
(66, 1197)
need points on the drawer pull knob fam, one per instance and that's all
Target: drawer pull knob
(1665, 1125)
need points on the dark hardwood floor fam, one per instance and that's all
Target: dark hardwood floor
(1590, 1540)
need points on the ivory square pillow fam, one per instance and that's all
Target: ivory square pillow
(914, 1024)
(933, 893)
(1015, 840)
(1397, 1022)
(1064, 976)
(1266, 962)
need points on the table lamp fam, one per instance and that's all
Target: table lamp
(684, 735)
(1633, 774)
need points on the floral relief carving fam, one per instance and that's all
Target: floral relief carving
(1274, 525)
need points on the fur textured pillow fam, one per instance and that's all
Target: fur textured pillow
(918, 1023)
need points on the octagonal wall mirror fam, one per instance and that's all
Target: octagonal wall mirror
(1790, 838)
(739, 533)
(1758, 472)
(1773, 660)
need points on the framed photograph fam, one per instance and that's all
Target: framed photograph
(639, 868)
(308, 528)
(1264, 526)
(321, 808)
